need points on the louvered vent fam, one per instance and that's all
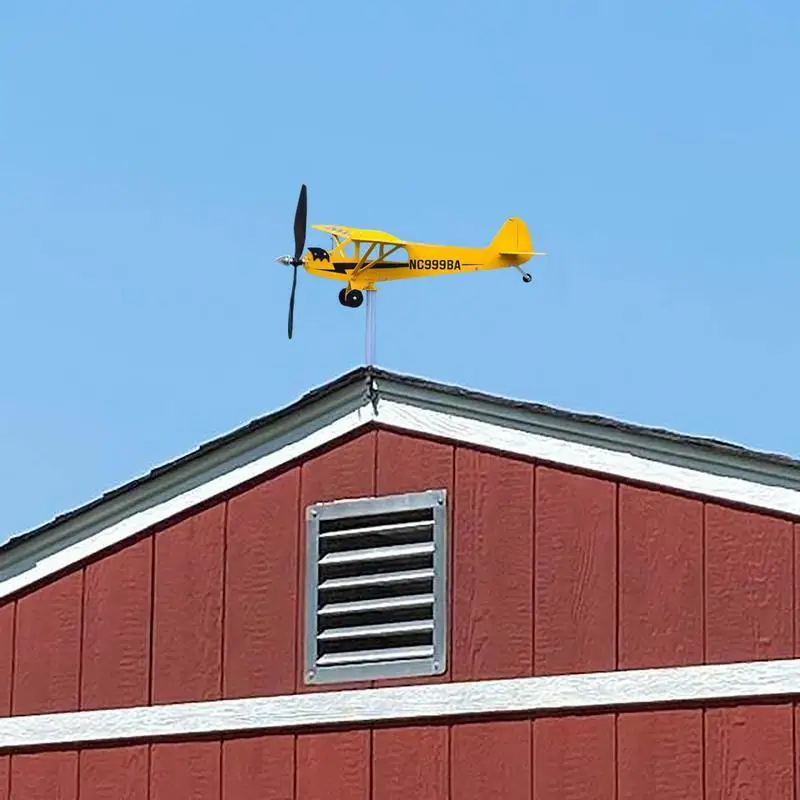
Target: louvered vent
(375, 604)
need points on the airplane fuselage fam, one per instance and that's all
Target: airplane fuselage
(420, 260)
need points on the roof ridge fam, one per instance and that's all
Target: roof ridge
(364, 389)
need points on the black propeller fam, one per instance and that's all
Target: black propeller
(299, 245)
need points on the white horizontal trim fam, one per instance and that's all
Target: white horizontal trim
(615, 463)
(135, 523)
(533, 696)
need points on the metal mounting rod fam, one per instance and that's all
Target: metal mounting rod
(370, 328)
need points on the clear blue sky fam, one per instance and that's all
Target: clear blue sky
(150, 160)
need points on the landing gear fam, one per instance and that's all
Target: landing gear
(352, 299)
(526, 276)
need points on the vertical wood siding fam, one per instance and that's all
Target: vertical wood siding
(185, 770)
(187, 609)
(7, 613)
(575, 581)
(749, 586)
(660, 755)
(574, 757)
(334, 766)
(47, 652)
(261, 592)
(258, 768)
(411, 762)
(5, 777)
(550, 572)
(669, 755)
(47, 775)
(492, 580)
(116, 629)
(491, 759)
(117, 773)
(660, 579)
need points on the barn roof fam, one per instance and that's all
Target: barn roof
(373, 396)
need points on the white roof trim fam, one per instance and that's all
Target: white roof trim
(590, 457)
(533, 696)
(738, 477)
(59, 558)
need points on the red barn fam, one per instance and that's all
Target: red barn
(397, 589)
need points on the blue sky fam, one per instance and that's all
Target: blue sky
(151, 155)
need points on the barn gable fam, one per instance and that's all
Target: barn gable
(369, 397)
(622, 577)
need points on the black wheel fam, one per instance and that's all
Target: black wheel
(354, 298)
(343, 297)
(526, 277)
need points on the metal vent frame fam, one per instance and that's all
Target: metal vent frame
(320, 513)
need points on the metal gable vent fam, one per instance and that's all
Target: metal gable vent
(376, 588)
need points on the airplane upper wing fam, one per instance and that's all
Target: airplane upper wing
(360, 234)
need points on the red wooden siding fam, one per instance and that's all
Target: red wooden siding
(261, 591)
(574, 757)
(411, 762)
(660, 579)
(185, 770)
(116, 633)
(47, 652)
(44, 775)
(6, 657)
(668, 754)
(796, 576)
(187, 609)
(491, 759)
(550, 572)
(749, 586)
(258, 768)
(750, 751)
(660, 755)
(334, 765)
(117, 773)
(575, 584)
(492, 594)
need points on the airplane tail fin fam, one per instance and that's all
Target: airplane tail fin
(514, 239)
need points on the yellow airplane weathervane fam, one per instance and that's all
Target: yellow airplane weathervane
(361, 258)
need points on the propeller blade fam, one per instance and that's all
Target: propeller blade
(291, 302)
(300, 224)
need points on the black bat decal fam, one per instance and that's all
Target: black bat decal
(319, 254)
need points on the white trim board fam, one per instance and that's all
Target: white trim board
(621, 690)
(614, 463)
(180, 502)
(86, 536)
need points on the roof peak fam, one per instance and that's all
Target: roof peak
(372, 395)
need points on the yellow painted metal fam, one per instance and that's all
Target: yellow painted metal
(350, 261)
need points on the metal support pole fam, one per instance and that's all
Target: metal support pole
(370, 331)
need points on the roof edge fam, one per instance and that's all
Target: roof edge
(299, 421)
(659, 444)
(367, 395)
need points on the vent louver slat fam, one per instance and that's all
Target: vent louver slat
(387, 579)
(378, 631)
(370, 656)
(377, 586)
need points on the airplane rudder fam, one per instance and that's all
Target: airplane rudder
(513, 237)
